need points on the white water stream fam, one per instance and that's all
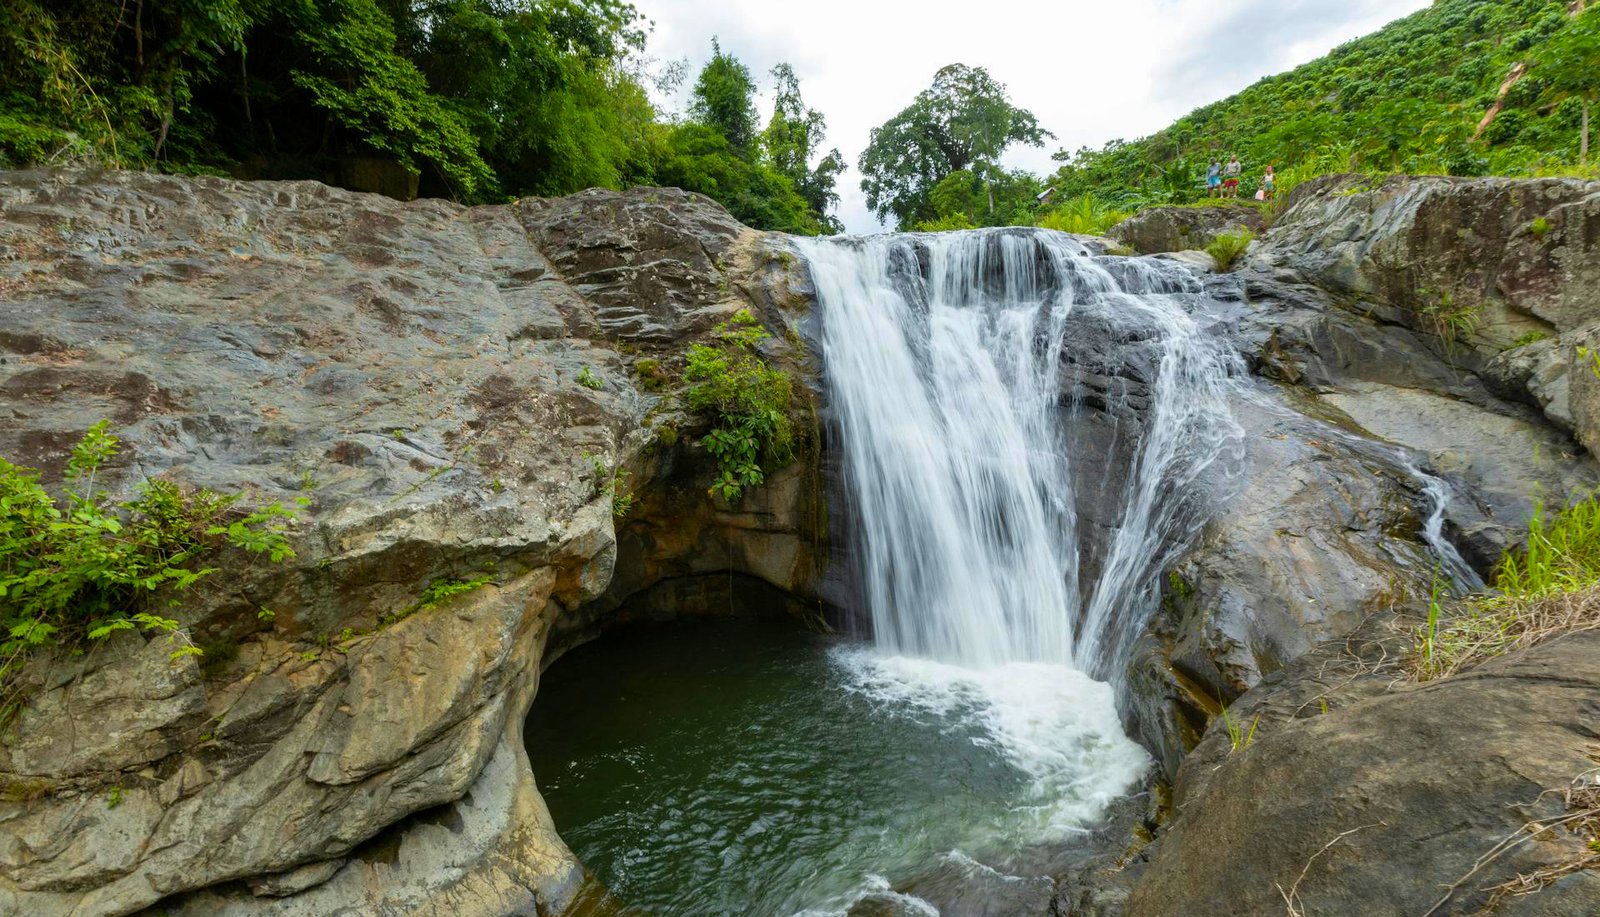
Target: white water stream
(944, 357)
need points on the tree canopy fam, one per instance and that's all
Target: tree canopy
(1570, 63)
(766, 179)
(477, 100)
(792, 140)
(724, 99)
(964, 121)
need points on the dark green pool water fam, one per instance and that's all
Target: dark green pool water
(750, 768)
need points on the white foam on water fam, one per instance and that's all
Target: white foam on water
(874, 886)
(1051, 722)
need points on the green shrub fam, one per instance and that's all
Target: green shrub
(1539, 227)
(84, 567)
(613, 484)
(622, 496)
(948, 223)
(652, 375)
(1083, 215)
(436, 593)
(588, 379)
(746, 401)
(1452, 323)
(1226, 248)
(1550, 587)
(1532, 337)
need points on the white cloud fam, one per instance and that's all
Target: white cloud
(1091, 72)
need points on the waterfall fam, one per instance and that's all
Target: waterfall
(963, 370)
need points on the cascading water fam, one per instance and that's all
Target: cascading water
(1029, 434)
(947, 359)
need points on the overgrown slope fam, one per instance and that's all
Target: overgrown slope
(1410, 97)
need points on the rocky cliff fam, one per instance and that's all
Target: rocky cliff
(462, 394)
(1404, 325)
(413, 370)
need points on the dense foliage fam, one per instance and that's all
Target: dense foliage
(475, 99)
(764, 178)
(746, 401)
(1465, 87)
(87, 566)
(947, 141)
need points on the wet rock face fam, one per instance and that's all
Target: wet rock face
(1322, 527)
(1307, 586)
(412, 370)
(1158, 230)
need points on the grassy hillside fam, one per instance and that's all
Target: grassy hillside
(1410, 97)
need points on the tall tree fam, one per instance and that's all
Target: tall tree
(724, 99)
(791, 140)
(1570, 63)
(964, 121)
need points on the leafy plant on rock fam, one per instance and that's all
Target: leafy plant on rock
(85, 566)
(1226, 248)
(746, 401)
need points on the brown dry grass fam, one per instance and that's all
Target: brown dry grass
(1583, 820)
(1490, 626)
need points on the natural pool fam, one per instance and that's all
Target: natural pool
(751, 768)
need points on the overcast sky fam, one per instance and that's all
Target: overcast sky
(1091, 72)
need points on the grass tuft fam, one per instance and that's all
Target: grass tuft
(1226, 248)
(1548, 589)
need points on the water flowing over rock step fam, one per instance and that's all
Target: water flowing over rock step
(1193, 486)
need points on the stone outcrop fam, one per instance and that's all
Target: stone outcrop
(1519, 255)
(1507, 271)
(1157, 230)
(1357, 411)
(1360, 794)
(412, 370)
(1298, 600)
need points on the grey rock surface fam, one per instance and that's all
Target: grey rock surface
(1362, 794)
(1156, 230)
(411, 369)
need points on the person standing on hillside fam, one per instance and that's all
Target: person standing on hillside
(1269, 184)
(1214, 179)
(1230, 172)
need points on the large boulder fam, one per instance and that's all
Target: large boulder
(1319, 533)
(1363, 440)
(413, 370)
(1504, 273)
(1497, 258)
(1156, 230)
(1364, 795)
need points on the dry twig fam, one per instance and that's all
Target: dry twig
(1291, 898)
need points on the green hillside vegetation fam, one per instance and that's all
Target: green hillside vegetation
(1466, 87)
(474, 100)
(1408, 98)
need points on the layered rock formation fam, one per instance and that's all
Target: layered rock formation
(1394, 319)
(413, 370)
